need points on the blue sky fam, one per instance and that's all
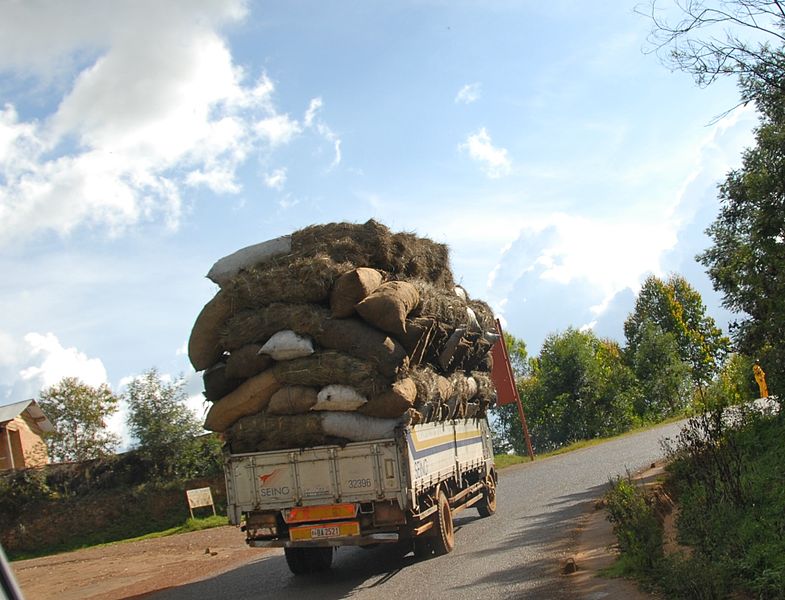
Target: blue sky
(142, 141)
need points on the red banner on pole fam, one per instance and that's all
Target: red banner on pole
(504, 380)
(501, 374)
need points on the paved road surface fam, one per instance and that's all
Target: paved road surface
(514, 554)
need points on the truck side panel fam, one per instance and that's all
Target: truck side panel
(439, 451)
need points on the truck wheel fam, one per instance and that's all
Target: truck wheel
(302, 561)
(487, 506)
(444, 539)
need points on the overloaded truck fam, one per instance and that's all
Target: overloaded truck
(349, 378)
(404, 487)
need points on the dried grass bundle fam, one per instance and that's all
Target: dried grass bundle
(263, 432)
(372, 244)
(329, 367)
(257, 326)
(287, 279)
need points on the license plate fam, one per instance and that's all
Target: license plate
(320, 532)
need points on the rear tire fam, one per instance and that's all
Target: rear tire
(487, 506)
(444, 540)
(303, 561)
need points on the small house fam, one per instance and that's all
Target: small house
(22, 426)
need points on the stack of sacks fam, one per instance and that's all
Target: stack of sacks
(339, 333)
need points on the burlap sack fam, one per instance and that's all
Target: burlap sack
(217, 384)
(358, 339)
(351, 288)
(392, 403)
(257, 326)
(246, 362)
(328, 366)
(445, 388)
(250, 398)
(289, 280)
(204, 345)
(292, 400)
(388, 306)
(262, 432)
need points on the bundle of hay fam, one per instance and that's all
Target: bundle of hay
(336, 333)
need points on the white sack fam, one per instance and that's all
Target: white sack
(491, 337)
(226, 268)
(473, 388)
(339, 397)
(286, 345)
(358, 428)
(473, 324)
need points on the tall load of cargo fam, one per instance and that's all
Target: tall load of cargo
(337, 333)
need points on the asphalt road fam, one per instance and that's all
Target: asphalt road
(516, 553)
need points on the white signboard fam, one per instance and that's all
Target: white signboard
(198, 498)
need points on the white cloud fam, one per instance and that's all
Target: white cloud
(154, 102)
(310, 120)
(55, 362)
(278, 129)
(288, 201)
(313, 108)
(469, 93)
(495, 161)
(275, 180)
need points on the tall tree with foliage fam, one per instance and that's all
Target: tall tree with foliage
(580, 389)
(747, 259)
(663, 377)
(675, 307)
(78, 412)
(165, 428)
(743, 38)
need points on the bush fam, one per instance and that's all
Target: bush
(726, 472)
(21, 489)
(636, 526)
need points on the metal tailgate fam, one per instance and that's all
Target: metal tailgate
(357, 472)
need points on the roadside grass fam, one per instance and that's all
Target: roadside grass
(728, 483)
(99, 540)
(506, 460)
(195, 524)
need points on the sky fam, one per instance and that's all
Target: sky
(141, 141)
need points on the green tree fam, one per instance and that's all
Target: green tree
(663, 377)
(747, 258)
(164, 427)
(735, 383)
(580, 389)
(78, 412)
(675, 307)
(743, 38)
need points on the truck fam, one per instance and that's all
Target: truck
(403, 489)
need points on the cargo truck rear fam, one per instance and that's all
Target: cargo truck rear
(405, 488)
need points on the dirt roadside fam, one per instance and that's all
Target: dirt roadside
(595, 548)
(126, 570)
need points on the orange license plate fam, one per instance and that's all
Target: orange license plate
(325, 531)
